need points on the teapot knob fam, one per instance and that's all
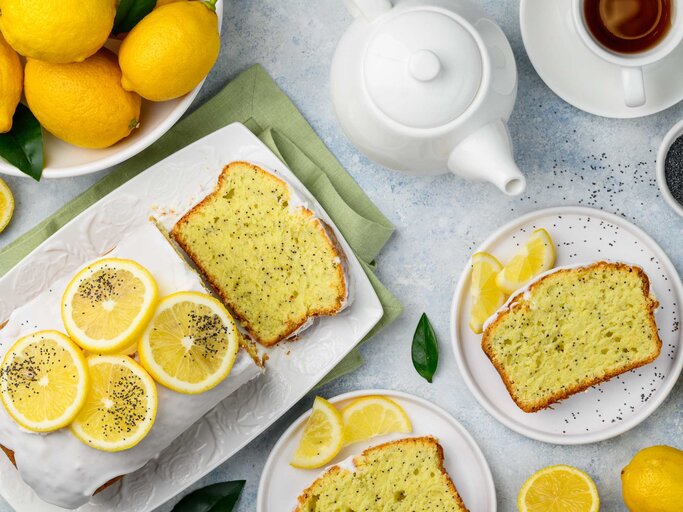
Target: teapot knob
(368, 9)
(424, 65)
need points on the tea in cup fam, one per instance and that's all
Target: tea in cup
(630, 34)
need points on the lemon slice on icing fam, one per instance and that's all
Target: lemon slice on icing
(372, 416)
(486, 296)
(190, 344)
(322, 438)
(559, 489)
(537, 256)
(120, 407)
(44, 381)
(107, 305)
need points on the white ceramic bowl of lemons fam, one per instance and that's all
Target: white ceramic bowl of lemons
(63, 160)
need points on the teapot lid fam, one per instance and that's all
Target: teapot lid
(422, 67)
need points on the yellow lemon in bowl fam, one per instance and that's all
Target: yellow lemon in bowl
(82, 103)
(11, 81)
(653, 480)
(64, 31)
(165, 2)
(170, 51)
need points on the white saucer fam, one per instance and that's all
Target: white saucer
(281, 483)
(581, 78)
(581, 235)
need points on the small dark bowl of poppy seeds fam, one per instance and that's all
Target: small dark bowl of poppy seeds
(670, 168)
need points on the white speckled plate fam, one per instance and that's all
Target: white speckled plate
(168, 189)
(581, 235)
(583, 79)
(281, 484)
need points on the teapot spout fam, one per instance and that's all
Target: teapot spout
(486, 155)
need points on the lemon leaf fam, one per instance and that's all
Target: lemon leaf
(130, 12)
(22, 146)
(220, 497)
(425, 350)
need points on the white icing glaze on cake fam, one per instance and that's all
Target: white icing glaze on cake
(60, 468)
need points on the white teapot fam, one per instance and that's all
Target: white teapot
(427, 86)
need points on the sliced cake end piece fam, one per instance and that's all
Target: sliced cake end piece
(273, 263)
(571, 329)
(407, 475)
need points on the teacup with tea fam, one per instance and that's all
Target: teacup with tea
(630, 34)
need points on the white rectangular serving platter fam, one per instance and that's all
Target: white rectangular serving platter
(167, 190)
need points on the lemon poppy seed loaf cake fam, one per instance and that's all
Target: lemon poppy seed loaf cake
(65, 471)
(273, 263)
(407, 475)
(570, 329)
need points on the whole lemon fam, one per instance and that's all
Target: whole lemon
(82, 103)
(653, 480)
(170, 51)
(11, 79)
(164, 2)
(64, 31)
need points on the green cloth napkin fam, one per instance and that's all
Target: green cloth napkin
(255, 100)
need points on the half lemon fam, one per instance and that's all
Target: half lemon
(107, 305)
(537, 256)
(372, 416)
(120, 407)
(190, 344)
(44, 381)
(559, 488)
(323, 436)
(6, 205)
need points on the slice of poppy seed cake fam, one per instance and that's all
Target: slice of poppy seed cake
(271, 261)
(571, 329)
(407, 475)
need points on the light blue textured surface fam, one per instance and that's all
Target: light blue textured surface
(569, 157)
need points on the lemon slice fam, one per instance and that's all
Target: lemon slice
(44, 381)
(191, 343)
(6, 205)
(537, 255)
(372, 416)
(486, 296)
(130, 350)
(107, 305)
(559, 489)
(121, 404)
(322, 438)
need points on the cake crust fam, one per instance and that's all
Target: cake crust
(292, 325)
(359, 459)
(518, 301)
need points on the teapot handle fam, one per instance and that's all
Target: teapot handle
(368, 9)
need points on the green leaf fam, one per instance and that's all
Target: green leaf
(214, 498)
(22, 146)
(130, 12)
(425, 349)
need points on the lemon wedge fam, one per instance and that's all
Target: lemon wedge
(486, 296)
(44, 381)
(120, 407)
(537, 255)
(372, 416)
(323, 436)
(559, 489)
(108, 304)
(191, 343)
(6, 205)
